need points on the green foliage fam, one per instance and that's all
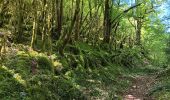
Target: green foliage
(69, 58)
(44, 63)
(92, 76)
(10, 87)
(160, 87)
(17, 79)
(163, 95)
(51, 87)
(167, 50)
(161, 90)
(22, 62)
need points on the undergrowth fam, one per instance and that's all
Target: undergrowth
(161, 89)
(85, 72)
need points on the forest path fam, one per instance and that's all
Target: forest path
(139, 88)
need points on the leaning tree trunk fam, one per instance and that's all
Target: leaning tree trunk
(66, 38)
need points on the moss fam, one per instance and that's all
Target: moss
(82, 76)
(44, 63)
(51, 87)
(9, 86)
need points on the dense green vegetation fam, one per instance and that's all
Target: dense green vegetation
(81, 49)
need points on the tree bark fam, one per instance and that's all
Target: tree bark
(77, 23)
(138, 24)
(19, 17)
(66, 38)
(59, 11)
(107, 23)
(138, 32)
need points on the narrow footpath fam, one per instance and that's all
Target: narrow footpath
(139, 88)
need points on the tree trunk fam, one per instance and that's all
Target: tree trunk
(138, 32)
(59, 11)
(34, 33)
(107, 23)
(19, 17)
(49, 35)
(44, 30)
(138, 24)
(77, 23)
(68, 36)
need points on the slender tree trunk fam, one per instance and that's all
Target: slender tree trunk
(34, 33)
(107, 23)
(138, 24)
(59, 8)
(77, 23)
(49, 35)
(90, 8)
(19, 17)
(53, 13)
(44, 30)
(35, 26)
(138, 32)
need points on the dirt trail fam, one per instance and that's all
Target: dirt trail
(139, 88)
